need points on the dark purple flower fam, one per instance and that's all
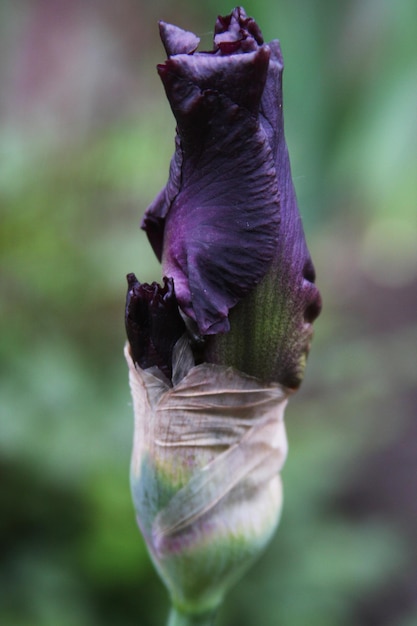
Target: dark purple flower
(233, 337)
(226, 227)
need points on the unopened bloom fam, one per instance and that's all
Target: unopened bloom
(215, 352)
(226, 226)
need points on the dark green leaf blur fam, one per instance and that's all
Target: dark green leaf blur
(86, 137)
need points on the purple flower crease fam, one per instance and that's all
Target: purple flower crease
(239, 280)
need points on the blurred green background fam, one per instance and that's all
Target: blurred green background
(85, 141)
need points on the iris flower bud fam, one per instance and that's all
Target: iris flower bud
(215, 352)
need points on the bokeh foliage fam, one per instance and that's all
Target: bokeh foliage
(85, 143)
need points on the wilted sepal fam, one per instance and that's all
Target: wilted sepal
(204, 473)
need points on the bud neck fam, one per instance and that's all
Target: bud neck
(177, 618)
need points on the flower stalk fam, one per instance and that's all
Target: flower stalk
(179, 618)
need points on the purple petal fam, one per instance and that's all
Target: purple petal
(154, 219)
(176, 40)
(271, 330)
(292, 266)
(221, 225)
(237, 33)
(153, 323)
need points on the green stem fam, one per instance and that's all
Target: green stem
(177, 618)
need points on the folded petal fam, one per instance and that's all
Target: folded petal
(221, 227)
(271, 329)
(154, 219)
(153, 323)
(176, 40)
